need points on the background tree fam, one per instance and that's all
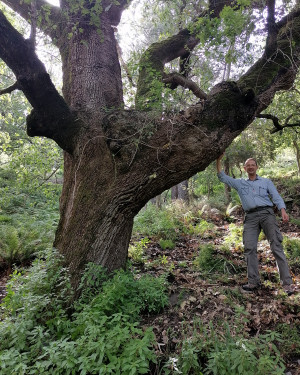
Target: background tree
(115, 160)
(283, 121)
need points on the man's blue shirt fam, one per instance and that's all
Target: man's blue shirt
(255, 193)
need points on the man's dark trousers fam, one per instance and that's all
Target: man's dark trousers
(255, 221)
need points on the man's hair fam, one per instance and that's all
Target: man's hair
(251, 159)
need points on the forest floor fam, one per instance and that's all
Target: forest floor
(215, 297)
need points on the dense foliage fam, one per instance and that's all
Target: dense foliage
(42, 332)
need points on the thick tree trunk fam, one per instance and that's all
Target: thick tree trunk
(97, 211)
(84, 63)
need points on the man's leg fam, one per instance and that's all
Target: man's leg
(272, 232)
(250, 238)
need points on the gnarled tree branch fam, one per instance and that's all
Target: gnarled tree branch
(179, 79)
(158, 54)
(275, 120)
(51, 116)
(153, 61)
(115, 10)
(275, 70)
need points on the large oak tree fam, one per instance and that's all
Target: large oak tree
(115, 160)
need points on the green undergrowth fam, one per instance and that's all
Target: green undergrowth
(173, 220)
(234, 239)
(292, 250)
(292, 247)
(159, 223)
(212, 262)
(289, 344)
(216, 350)
(28, 219)
(23, 237)
(136, 250)
(43, 332)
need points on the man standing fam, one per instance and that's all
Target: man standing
(255, 193)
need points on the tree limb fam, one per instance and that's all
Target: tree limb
(272, 28)
(158, 54)
(115, 10)
(277, 126)
(48, 178)
(273, 118)
(50, 15)
(153, 61)
(51, 117)
(124, 65)
(179, 79)
(33, 24)
(277, 69)
(10, 89)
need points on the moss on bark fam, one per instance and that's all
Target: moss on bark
(152, 66)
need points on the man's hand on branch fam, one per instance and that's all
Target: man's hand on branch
(219, 167)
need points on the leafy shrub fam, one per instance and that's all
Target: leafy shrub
(123, 294)
(292, 246)
(289, 343)
(172, 220)
(153, 221)
(215, 351)
(235, 356)
(205, 229)
(206, 258)
(45, 287)
(189, 358)
(7, 176)
(235, 237)
(209, 260)
(5, 219)
(20, 241)
(9, 244)
(136, 250)
(41, 335)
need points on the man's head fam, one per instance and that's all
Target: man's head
(251, 167)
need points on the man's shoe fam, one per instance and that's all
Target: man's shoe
(250, 287)
(289, 289)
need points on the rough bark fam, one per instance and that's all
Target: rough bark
(116, 160)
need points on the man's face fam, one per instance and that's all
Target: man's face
(250, 167)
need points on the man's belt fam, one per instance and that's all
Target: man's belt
(256, 209)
